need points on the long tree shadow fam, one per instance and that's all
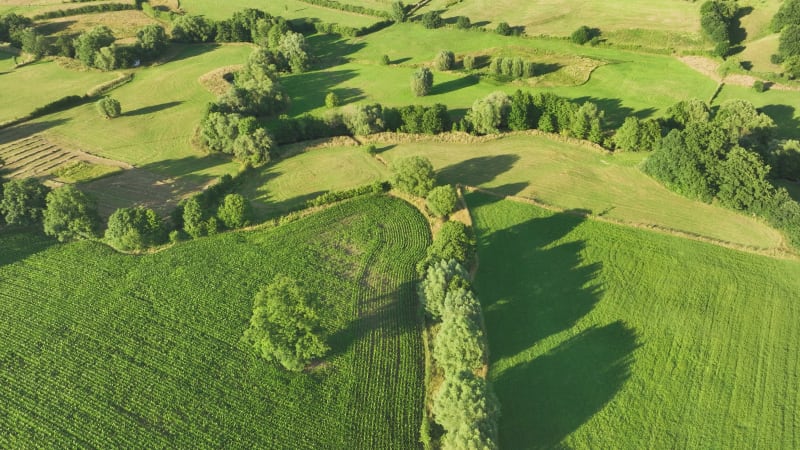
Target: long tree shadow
(152, 108)
(331, 50)
(784, 117)
(615, 111)
(738, 34)
(565, 387)
(24, 130)
(454, 85)
(477, 171)
(19, 243)
(308, 90)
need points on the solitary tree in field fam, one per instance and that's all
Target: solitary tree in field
(284, 326)
(414, 175)
(469, 62)
(108, 107)
(70, 214)
(23, 201)
(422, 82)
(445, 60)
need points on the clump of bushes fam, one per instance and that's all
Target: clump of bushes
(512, 67)
(135, 229)
(441, 200)
(585, 34)
(108, 107)
(445, 60)
(414, 175)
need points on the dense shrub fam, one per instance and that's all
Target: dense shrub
(23, 201)
(134, 229)
(86, 9)
(454, 241)
(468, 410)
(788, 14)
(235, 211)
(445, 60)
(337, 196)
(463, 22)
(488, 115)
(70, 214)
(285, 326)
(636, 135)
(414, 175)
(441, 277)
(432, 19)
(582, 35)
(61, 104)
(421, 82)
(503, 29)
(332, 100)
(108, 107)
(441, 200)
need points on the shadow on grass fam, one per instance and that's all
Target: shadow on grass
(784, 117)
(331, 50)
(151, 109)
(477, 171)
(738, 34)
(615, 112)
(51, 28)
(565, 387)
(349, 95)
(18, 243)
(28, 129)
(454, 85)
(308, 90)
(534, 284)
(540, 69)
(179, 52)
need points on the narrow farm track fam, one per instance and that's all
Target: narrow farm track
(141, 352)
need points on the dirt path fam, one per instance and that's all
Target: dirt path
(708, 67)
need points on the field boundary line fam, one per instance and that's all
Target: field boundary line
(781, 252)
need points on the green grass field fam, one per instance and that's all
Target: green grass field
(610, 337)
(289, 9)
(111, 350)
(573, 177)
(780, 105)
(26, 88)
(289, 183)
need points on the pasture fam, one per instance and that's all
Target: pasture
(289, 9)
(570, 176)
(604, 336)
(154, 358)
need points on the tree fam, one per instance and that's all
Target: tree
(108, 107)
(469, 62)
(791, 67)
(489, 114)
(363, 120)
(23, 201)
(432, 19)
(294, 48)
(190, 29)
(253, 142)
(151, 41)
(70, 214)
(522, 115)
(414, 175)
(33, 42)
(398, 13)
(685, 112)
(441, 277)
(465, 401)
(582, 35)
(744, 123)
(285, 326)
(743, 181)
(445, 60)
(421, 82)
(453, 242)
(11, 23)
(89, 43)
(235, 211)
(194, 223)
(788, 14)
(435, 119)
(503, 29)
(134, 229)
(635, 135)
(218, 131)
(463, 23)
(441, 200)
(460, 344)
(385, 61)
(789, 42)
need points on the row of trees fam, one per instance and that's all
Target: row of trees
(97, 48)
(512, 67)
(721, 156)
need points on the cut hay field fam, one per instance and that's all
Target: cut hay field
(124, 24)
(625, 83)
(28, 87)
(289, 9)
(572, 176)
(110, 350)
(34, 156)
(612, 337)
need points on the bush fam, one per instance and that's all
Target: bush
(581, 36)
(285, 326)
(134, 229)
(70, 214)
(463, 22)
(469, 62)
(235, 211)
(332, 100)
(441, 200)
(23, 201)
(385, 61)
(108, 108)
(453, 242)
(759, 86)
(414, 175)
(432, 19)
(445, 60)
(422, 82)
(503, 29)
(441, 277)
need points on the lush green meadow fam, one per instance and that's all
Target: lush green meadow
(289, 9)
(611, 337)
(571, 176)
(26, 88)
(109, 350)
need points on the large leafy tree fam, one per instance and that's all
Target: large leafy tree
(441, 277)
(468, 410)
(414, 175)
(88, 44)
(70, 214)
(151, 40)
(23, 201)
(285, 326)
(421, 82)
(134, 229)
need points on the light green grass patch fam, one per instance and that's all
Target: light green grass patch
(289, 9)
(573, 177)
(604, 336)
(83, 171)
(28, 87)
(288, 183)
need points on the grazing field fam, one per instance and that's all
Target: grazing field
(28, 87)
(572, 176)
(290, 182)
(624, 83)
(154, 358)
(161, 108)
(289, 9)
(611, 337)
